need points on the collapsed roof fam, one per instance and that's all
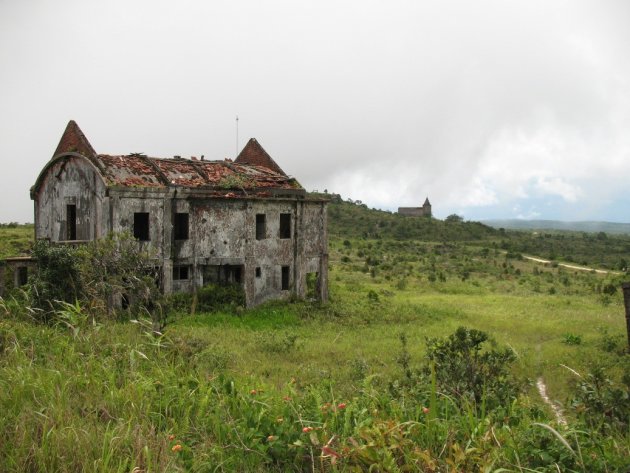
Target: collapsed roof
(253, 168)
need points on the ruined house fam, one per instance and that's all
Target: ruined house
(243, 221)
(424, 211)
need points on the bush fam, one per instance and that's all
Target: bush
(95, 274)
(601, 403)
(466, 371)
(116, 267)
(214, 296)
(210, 298)
(57, 279)
(571, 339)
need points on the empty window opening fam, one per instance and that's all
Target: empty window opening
(234, 274)
(286, 271)
(285, 225)
(180, 273)
(181, 226)
(261, 226)
(124, 301)
(312, 285)
(223, 274)
(141, 226)
(71, 222)
(258, 272)
(22, 275)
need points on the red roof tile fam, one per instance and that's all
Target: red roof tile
(254, 154)
(73, 140)
(142, 171)
(253, 169)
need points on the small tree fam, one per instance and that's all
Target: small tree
(116, 267)
(465, 370)
(454, 218)
(56, 280)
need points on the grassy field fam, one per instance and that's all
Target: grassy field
(345, 386)
(15, 239)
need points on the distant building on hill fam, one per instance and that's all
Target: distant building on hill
(243, 221)
(424, 211)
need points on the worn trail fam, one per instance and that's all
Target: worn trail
(542, 390)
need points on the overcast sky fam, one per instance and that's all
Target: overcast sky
(492, 109)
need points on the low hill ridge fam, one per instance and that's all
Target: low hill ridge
(583, 226)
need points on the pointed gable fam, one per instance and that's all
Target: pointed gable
(73, 140)
(254, 154)
(426, 202)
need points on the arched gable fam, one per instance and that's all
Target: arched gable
(69, 197)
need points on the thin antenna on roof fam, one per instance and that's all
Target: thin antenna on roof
(236, 136)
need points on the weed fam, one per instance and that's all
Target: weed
(571, 339)
(276, 342)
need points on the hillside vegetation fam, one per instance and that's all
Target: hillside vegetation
(600, 250)
(356, 220)
(426, 358)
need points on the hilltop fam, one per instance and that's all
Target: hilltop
(614, 228)
(353, 219)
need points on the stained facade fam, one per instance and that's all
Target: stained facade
(243, 221)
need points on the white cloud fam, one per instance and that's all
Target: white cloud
(557, 186)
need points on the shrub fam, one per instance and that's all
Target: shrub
(210, 298)
(465, 370)
(214, 296)
(56, 280)
(401, 284)
(601, 403)
(571, 339)
(116, 266)
(95, 274)
(372, 296)
(612, 343)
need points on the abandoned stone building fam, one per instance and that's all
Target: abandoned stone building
(424, 211)
(243, 221)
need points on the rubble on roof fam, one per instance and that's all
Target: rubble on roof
(142, 171)
(252, 169)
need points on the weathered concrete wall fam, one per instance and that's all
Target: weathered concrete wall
(222, 232)
(13, 270)
(123, 206)
(415, 211)
(70, 181)
(314, 250)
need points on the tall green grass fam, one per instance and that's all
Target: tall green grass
(296, 386)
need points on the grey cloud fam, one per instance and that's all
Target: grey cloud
(386, 102)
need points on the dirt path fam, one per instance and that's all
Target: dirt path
(570, 266)
(542, 390)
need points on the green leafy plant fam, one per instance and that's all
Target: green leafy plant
(467, 370)
(571, 339)
(235, 181)
(57, 279)
(117, 267)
